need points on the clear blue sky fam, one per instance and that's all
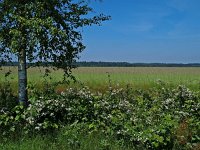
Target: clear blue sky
(166, 31)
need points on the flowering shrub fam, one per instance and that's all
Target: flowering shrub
(161, 118)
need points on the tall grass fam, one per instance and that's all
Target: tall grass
(70, 141)
(97, 77)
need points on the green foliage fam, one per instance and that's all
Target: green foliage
(7, 99)
(160, 118)
(48, 31)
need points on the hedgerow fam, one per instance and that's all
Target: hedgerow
(159, 118)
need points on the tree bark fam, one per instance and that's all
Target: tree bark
(22, 78)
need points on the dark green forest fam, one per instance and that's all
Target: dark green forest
(115, 64)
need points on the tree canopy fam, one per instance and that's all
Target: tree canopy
(48, 30)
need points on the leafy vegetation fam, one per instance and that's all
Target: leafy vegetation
(162, 117)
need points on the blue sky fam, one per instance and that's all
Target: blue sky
(165, 31)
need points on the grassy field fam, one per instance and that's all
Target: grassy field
(137, 77)
(165, 117)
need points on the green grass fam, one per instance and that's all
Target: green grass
(97, 77)
(66, 140)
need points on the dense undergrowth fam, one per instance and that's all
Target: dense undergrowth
(162, 117)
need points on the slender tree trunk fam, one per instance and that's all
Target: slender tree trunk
(22, 78)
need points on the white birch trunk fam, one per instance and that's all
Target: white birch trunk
(22, 78)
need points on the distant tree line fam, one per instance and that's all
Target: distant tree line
(127, 64)
(114, 64)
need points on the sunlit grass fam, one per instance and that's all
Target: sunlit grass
(97, 77)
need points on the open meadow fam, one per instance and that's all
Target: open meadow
(98, 78)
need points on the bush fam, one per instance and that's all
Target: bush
(161, 118)
(7, 99)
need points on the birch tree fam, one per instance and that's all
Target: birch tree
(43, 31)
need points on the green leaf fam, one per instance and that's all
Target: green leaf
(17, 117)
